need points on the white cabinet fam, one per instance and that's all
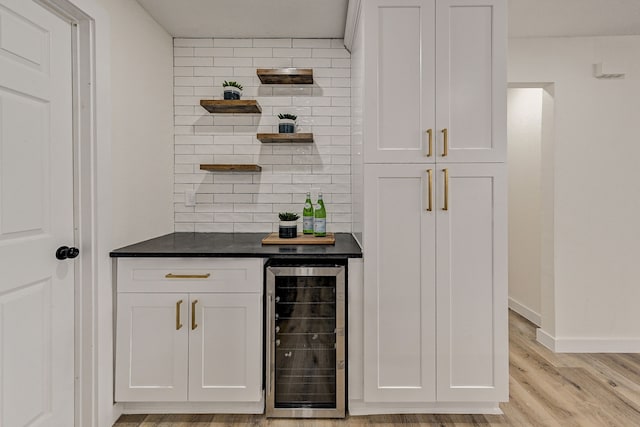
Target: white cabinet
(471, 277)
(189, 330)
(434, 313)
(435, 81)
(399, 292)
(435, 275)
(225, 347)
(151, 350)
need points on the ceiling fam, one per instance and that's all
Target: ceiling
(326, 18)
(250, 18)
(571, 18)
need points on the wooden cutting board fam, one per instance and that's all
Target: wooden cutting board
(302, 239)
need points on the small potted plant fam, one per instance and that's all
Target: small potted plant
(288, 225)
(287, 123)
(232, 90)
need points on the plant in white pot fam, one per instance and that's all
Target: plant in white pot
(287, 123)
(288, 225)
(232, 90)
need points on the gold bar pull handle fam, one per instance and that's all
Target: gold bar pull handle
(430, 195)
(430, 133)
(445, 137)
(446, 190)
(187, 276)
(178, 324)
(193, 315)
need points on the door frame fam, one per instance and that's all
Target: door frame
(91, 120)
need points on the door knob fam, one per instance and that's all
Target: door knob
(65, 252)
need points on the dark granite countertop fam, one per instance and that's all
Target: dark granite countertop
(235, 245)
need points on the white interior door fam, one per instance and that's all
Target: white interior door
(36, 217)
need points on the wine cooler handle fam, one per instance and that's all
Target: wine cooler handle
(270, 328)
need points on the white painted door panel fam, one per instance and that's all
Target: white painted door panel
(152, 347)
(399, 89)
(472, 284)
(471, 80)
(399, 291)
(36, 216)
(225, 347)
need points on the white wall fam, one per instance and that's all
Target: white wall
(249, 202)
(524, 134)
(142, 131)
(597, 192)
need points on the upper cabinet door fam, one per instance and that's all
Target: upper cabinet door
(399, 62)
(471, 80)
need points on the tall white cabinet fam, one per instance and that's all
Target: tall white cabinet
(433, 95)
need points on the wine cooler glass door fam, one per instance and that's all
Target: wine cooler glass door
(306, 363)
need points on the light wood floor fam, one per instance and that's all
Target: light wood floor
(546, 389)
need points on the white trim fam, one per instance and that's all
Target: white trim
(353, 14)
(545, 339)
(362, 408)
(525, 312)
(194, 407)
(92, 189)
(588, 345)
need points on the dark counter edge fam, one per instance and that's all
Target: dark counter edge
(234, 245)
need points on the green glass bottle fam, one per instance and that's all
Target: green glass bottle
(320, 218)
(307, 216)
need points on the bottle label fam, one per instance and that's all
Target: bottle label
(320, 226)
(307, 205)
(307, 223)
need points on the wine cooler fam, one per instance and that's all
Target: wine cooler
(305, 353)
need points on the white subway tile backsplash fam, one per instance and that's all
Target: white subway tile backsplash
(192, 62)
(251, 227)
(284, 42)
(182, 71)
(212, 52)
(315, 63)
(252, 52)
(292, 53)
(180, 42)
(232, 62)
(249, 202)
(271, 62)
(320, 43)
(330, 53)
(182, 51)
(233, 217)
(232, 42)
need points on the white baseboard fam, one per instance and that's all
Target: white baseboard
(545, 339)
(357, 408)
(194, 407)
(588, 345)
(525, 312)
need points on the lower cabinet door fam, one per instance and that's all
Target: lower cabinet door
(399, 276)
(151, 347)
(225, 347)
(471, 291)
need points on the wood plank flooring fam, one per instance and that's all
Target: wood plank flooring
(546, 390)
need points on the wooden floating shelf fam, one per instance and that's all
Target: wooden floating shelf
(285, 137)
(249, 106)
(232, 168)
(279, 76)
